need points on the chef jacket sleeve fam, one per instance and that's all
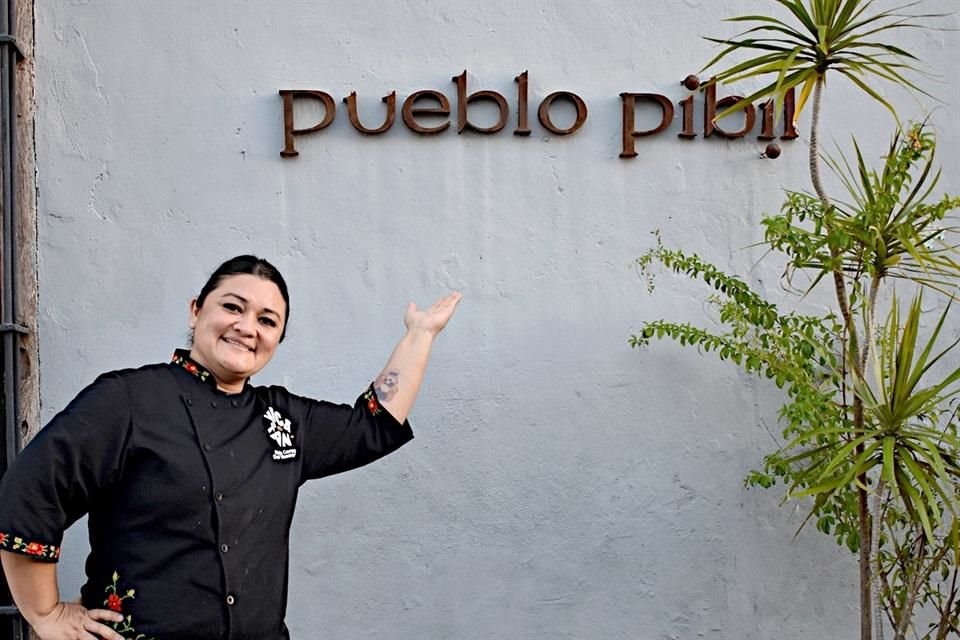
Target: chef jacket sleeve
(338, 437)
(58, 475)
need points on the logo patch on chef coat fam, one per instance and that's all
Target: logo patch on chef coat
(280, 432)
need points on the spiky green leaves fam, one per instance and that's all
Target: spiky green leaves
(818, 37)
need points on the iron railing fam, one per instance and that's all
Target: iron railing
(12, 625)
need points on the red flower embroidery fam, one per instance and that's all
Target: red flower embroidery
(372, 405)
(192, 368)
(30, 548)
(114, 603)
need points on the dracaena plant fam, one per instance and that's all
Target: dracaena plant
(901, 447)
(912, 418)
(886, 227)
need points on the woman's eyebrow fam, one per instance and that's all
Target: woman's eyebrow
(245, 301)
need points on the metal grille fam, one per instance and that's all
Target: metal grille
(12, 625)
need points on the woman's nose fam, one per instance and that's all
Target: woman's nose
(245, 325)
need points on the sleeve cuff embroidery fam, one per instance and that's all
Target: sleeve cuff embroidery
(373, 404)
(29, 548)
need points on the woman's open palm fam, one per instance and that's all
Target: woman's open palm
(435, 317)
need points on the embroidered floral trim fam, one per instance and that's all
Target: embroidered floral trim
(373, 404)
(182, 358)
(114, 602)
(29, 548)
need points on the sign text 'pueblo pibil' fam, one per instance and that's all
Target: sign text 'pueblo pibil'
(427, 112)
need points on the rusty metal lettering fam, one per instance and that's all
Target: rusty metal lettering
(543, 113)
(629, 119)
(710, 114)
(789, 116)
(522, 128)
(289, 130)
(687, 106)
(463, 101)
(789, 111)
(766, 118)
(390, 100)
(410, 112)
(428, 112)
(749, 118)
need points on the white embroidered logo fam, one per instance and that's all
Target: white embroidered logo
(281, 433)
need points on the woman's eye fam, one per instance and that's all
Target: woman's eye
(229, 306)
(270, 322)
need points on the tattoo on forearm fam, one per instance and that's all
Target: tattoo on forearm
(387, 384)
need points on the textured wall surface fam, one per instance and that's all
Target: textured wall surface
(561, 484)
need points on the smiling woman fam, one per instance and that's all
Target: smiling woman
(190, 474)
(238, 320)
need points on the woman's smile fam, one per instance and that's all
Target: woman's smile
(238, 344)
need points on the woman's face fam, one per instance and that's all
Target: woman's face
(237, 329)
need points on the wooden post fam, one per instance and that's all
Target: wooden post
(25, 197)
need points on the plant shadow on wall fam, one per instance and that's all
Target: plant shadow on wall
(871, 412)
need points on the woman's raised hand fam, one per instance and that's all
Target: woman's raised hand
(70, 621)
(435, 317)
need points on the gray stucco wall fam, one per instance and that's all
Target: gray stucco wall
(561, 484)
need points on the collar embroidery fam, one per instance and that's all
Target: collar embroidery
(181, 357)
(280, 431)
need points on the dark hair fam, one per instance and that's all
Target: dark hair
(251, 265)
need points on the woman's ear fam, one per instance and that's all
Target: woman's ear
(194, 311)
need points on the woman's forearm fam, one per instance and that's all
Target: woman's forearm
(399, 382)
(33, 585)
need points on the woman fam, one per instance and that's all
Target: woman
(190, 474)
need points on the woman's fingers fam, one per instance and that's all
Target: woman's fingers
(450, 303)
(435, 317)
(101, 631)
(447, 303)
(95, 627)
(70, 621)
(451, 298)
(105, 614)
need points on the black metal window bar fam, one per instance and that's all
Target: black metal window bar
(12, 624)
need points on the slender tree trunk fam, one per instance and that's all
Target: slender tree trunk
(879, 491)
(837, 268)
(922, 577)
(945, 612)
(875, 555)
(871, 319)
(840, 288)
(866, 610)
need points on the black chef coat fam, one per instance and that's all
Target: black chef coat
(190, 493)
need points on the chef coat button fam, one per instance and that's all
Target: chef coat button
(219, 497)
(207, 447)
(213, 403)
(231, 600)
(224, 548)
(235, 403)
(189, 402)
